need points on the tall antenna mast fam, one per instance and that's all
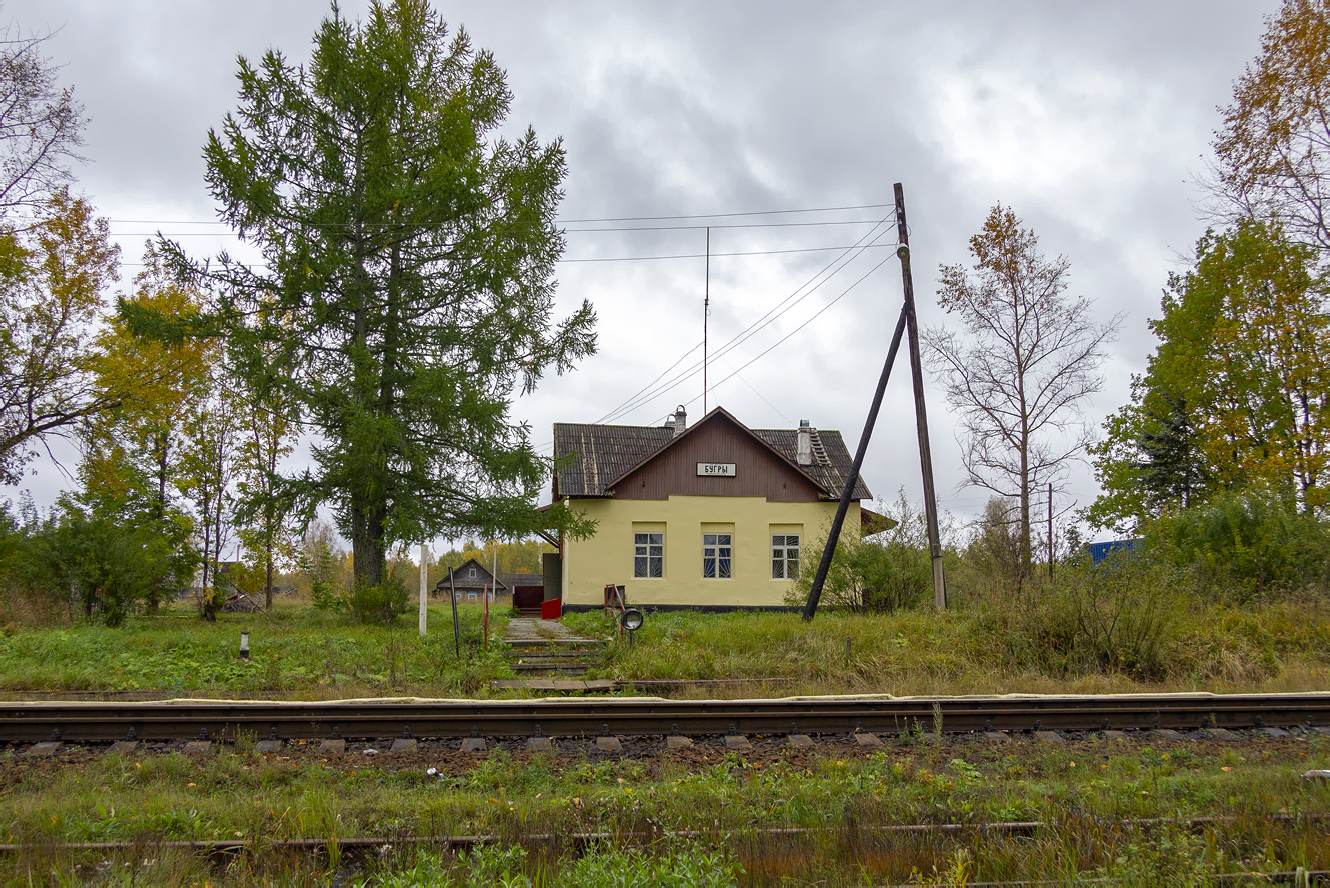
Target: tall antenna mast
(706, 312)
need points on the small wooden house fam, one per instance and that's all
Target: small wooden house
(471, 581)
(712, 516)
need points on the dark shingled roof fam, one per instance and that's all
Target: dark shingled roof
(510, 580)
(833, 470)
(593, 456)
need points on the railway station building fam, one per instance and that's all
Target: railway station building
(712, 516)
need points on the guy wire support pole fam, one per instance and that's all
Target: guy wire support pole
(920, 415)
(815, 593)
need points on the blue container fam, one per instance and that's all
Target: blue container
(1100, 551)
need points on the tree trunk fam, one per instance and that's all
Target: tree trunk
(268, 601)
(370, 509)
(367, 532)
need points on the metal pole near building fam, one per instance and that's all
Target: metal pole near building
(920, 414)
(424, 588)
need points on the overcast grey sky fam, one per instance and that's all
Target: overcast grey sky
(1089, 120)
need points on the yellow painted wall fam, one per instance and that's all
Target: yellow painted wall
(589, 565)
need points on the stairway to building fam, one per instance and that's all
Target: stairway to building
(546, 647)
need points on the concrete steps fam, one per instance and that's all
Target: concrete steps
(544, 647)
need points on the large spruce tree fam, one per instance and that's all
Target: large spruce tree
(406, 287)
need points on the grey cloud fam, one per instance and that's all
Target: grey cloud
(722, 107)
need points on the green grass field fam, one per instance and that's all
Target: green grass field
(297, 652)
(303, 653)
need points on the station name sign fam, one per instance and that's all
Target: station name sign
(715, 470)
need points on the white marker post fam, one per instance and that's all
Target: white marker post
(424, 587)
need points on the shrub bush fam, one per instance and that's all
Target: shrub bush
(1244, 546)
(1125, 616)
(883, 573)
(319, 567)
(111, 566)
(383, 603)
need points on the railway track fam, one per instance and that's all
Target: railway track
(227, 720)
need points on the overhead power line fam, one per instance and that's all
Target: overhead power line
(826, 273)
(578, 221)
(613, 228)
(638, 400)
(656, 258)
(721, 255)
(778, 342)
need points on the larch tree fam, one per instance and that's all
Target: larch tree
(1020, 366)
(406, 288)
(1273, 150)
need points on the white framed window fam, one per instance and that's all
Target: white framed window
(717, 556)
(648, 555)
(471, 573)
(471, 596)
(784, 556)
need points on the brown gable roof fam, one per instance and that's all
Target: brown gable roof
(592, 457)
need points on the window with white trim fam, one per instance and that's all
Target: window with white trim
(717, 556)
(784, 556)
(648, 555)
(471, 573)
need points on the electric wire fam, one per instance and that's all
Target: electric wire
(584, 221)
(627, 228)
(642, 396)
(830, 270)
(253, 265)
(648, 392)
(810, 320)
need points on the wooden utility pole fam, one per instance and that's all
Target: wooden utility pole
(424, 589)
(907, 320)
(815, 591)
(920, 414)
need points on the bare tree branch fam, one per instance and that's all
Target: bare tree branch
(1025, 359)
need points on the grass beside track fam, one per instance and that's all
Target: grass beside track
(298, 653)
(1269, 648)
(1083, 791)
(303, 653)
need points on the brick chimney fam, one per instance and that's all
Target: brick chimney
(805, 450)
(680, 421)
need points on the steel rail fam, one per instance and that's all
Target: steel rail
(220, 720)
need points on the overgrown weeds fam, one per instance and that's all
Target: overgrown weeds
(1135, 814)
